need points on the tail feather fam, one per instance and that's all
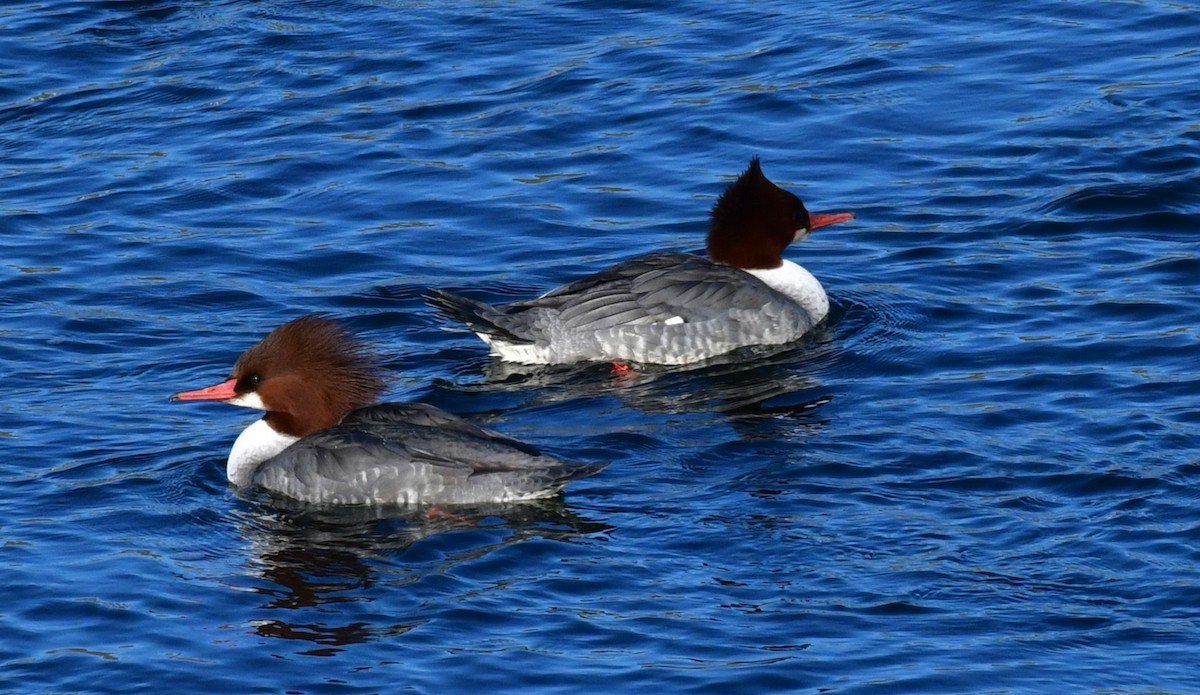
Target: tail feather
(478, 316)
(559, 476)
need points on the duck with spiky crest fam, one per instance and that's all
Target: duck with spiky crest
(672, 308)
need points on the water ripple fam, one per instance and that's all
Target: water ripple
(981, 469)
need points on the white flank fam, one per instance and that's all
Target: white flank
(523, 354)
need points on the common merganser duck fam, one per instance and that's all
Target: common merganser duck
(321, 441)
(672, 308)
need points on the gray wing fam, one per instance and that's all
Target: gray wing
(605, 298)
(661, 288)
(685, 310)
(412, 454)
(664, 308)
(396, 419)
(650, 289)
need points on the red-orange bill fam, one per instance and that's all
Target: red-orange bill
(220, 392)
(816, 220)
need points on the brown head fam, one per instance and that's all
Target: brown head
(754, 221)
(307, 374)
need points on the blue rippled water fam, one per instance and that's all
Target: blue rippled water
(980, 476)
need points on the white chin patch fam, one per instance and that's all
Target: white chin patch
(248, 400)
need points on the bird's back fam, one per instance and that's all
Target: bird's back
(410, 454)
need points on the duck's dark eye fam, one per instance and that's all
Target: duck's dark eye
(255, 379)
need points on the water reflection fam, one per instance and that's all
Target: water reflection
(751, 386)
(316, 557)
(333, 638)
(763, 391)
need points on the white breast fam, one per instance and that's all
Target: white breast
(799, 284)
(255, 444)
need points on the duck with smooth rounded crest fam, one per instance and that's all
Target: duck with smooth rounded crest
(324, 440)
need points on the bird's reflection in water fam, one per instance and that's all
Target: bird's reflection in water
(757, 388)
(316, 557)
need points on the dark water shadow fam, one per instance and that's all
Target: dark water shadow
(311, 557)
(752, 386)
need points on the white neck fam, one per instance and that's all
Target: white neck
(255, 444)
(799, 284)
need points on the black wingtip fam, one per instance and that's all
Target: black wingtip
(589, 469)
(478, 316)
(451, 306)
